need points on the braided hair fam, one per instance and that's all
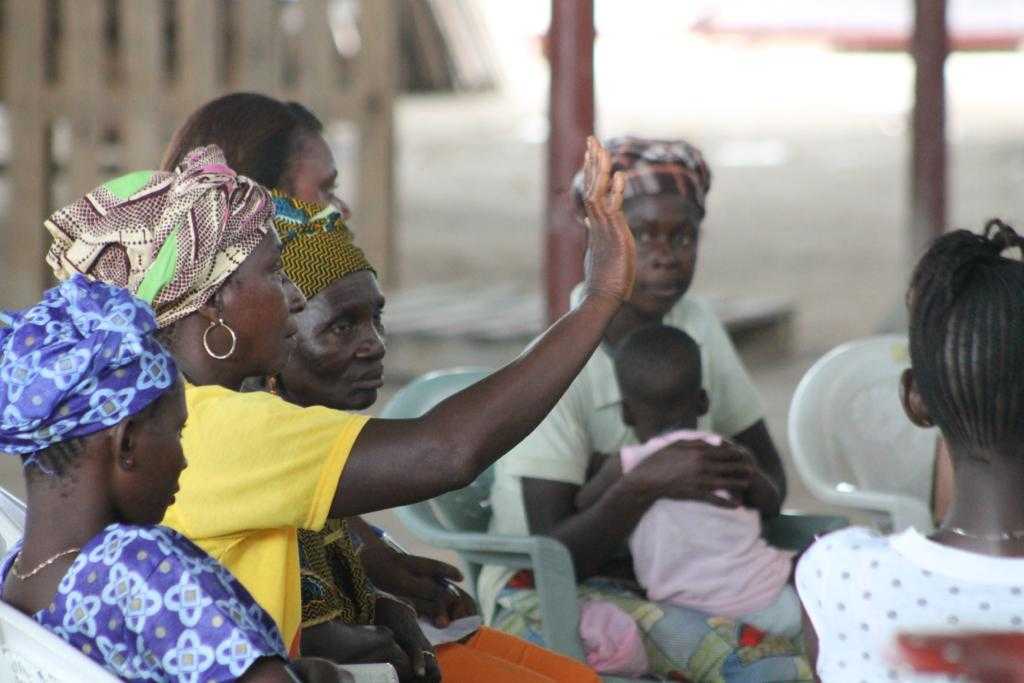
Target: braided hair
(966, 304)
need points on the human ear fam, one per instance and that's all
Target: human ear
(124, 442)
(703, 403)
(913, 405)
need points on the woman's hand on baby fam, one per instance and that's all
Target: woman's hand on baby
(610, 263)
(696, 470)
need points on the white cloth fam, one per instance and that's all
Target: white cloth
(860, 588)
(697, 555)
(588, 419)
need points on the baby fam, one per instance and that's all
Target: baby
(689, 553)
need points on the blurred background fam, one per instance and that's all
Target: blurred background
(439, 114)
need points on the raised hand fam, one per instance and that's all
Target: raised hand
(610, 263)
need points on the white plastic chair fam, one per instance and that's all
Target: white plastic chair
(12, 519)
(851, 442)
(28, 652)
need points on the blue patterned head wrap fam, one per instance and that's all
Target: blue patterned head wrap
(81, 360)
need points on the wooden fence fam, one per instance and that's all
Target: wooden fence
(95, 87)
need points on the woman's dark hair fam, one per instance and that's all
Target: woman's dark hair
(966, 304)
(54, 461)
(258, 134)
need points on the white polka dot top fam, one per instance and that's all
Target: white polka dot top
(860, 588)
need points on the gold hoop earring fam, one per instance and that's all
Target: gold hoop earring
(206, 342)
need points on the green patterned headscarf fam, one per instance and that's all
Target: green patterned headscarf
(318, 246)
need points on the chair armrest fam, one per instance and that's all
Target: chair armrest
(553, 572)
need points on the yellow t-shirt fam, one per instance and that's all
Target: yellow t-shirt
(259, 469)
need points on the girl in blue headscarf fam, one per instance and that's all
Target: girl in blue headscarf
(94, 406)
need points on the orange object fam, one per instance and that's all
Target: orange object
(497, 657)
(981, 656)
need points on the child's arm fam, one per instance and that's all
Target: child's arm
(607, 473)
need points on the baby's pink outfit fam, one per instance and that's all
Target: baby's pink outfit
(697, 555)
(611, 639)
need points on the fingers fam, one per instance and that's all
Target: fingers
(419, 662)
(427, 566)
(433, 674)
(420, 587)
(720, 501)
(598, 167)
(618, 190)
(720, 452)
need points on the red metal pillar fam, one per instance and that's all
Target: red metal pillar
(928, 181)
(571, 120)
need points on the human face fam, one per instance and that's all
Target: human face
(338, 359)
(666, 229)
(312, 175)
(257, 303)
(151, 459)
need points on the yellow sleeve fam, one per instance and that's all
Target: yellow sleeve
(257, 462)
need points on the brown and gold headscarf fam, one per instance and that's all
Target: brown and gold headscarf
(172, 239)
(654, 167)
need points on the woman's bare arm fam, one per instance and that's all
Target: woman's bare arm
(396, 462)
(606, 475)
(768, 489)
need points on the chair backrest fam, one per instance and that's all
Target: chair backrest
(28, 652)
(467, 509)
(12, 519)
(850, 440)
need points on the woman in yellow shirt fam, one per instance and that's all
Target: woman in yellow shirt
(260, 468)
(283, 147)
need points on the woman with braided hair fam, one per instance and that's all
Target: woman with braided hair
(860, 589)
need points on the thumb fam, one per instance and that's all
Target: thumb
(419, 663)
(432, 567)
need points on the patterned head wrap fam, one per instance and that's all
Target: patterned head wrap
(81, 360)
(318, 246)
(655, 167)
(169, 238)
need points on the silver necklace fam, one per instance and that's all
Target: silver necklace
(1015, 535)
(39, 567)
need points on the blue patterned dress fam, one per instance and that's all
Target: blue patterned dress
(149, 605)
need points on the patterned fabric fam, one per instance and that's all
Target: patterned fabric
(81, 360)
(655, 167)
(334, 581)
(170, 238)
(318, 247)
(147, 604)
(681, 644)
